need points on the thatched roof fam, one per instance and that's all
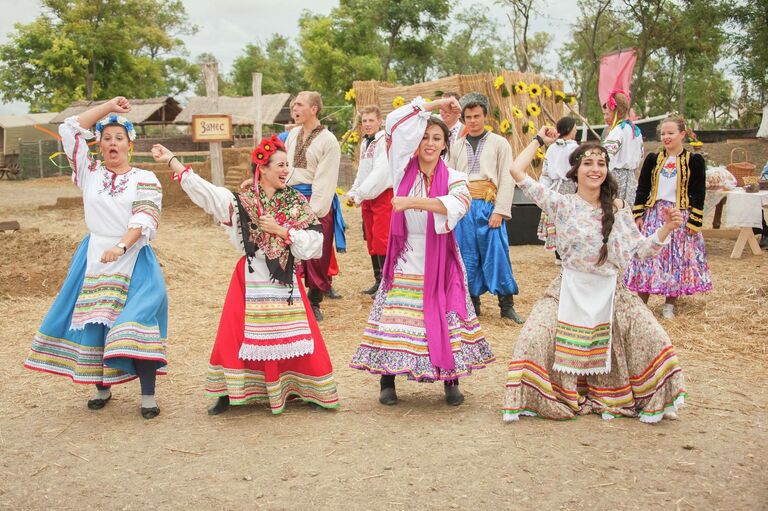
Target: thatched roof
(241, 108)
(17, 121)
(143, 111)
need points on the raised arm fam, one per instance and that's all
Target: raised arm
(118, 105)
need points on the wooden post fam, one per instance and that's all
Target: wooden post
(257, 128)
(211, 77)
(40, 157)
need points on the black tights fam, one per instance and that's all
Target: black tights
(146, 370)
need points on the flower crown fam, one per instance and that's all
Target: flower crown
(112, 120)
(593, 152)
(612, 97)
(268, 146)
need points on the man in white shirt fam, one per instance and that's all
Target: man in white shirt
(482, 233)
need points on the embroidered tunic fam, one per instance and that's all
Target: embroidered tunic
(373, 177)
(317, 165)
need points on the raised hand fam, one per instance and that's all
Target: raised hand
(161, 154)
(120, 105)
(548, 133)
(673, 218)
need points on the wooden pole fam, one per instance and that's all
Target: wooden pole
(582, 120)
(211, 77)
(257, 98)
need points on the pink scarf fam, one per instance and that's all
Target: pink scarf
(443, 278)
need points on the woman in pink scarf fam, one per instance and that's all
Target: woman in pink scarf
(422, 324)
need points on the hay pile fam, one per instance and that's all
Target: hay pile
(33, 264)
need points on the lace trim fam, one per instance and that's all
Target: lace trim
(277, 351)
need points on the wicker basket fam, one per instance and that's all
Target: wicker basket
(743, 168)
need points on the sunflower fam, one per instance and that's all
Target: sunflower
(547, 91)
(504, 126)
(398, 102)
(572, 100)
(529, 127)
(427, 100)
(498, 82)
(488, 127)
(540, 154)
(350, 95)
(559, 96)
(354, 137)
(517, 113)
(534, 90)
(533, 109)
(521, 87)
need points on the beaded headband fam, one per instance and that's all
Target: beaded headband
(115, 120)
(592, 152)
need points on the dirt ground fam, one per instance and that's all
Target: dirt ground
(422, 454)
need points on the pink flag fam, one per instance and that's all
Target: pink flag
(615, 72)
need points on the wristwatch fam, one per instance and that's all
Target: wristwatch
(539, 140)
(123, 246)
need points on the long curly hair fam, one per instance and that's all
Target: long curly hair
(609, 190)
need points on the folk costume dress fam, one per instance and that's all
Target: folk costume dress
(555, 168)
(107, 316)
(485, 250)
(372, 191)
(268, 347)
(589, 345)
(422, 323)
(314, 162)
(624, 144)
(681, 267)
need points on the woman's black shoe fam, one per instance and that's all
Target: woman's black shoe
(221, 406)
(98, 404)
(150, 413)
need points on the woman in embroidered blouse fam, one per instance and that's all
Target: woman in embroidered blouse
(589, 345)
(624, 143)
(268, 346)
(673, 178)
(555, 168)
(108, 323)
(422, 324)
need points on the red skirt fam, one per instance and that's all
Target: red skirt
(309, 377)
(377, 215)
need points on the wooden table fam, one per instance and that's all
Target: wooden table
(742, 211)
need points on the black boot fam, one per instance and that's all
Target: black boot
(507, 306)
(315, 297)
(333, 295)
(476, 304)
(376, 264)
(453, 395)
(387, 395)
(220, 406)
(764, 242)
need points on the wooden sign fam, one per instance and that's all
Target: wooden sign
(211, 128)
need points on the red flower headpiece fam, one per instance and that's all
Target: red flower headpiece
(266, 149)
(612, 97)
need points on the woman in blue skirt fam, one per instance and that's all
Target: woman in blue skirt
(108, 323)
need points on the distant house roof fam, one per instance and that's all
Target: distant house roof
(18, 121)
(143, 111)
(241, 108)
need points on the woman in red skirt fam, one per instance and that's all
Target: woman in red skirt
(268, 346)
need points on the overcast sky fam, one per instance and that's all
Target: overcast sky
(226, 26)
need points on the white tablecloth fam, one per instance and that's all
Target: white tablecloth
(742, 209)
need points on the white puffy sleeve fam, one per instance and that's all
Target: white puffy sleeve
(214, 200)
(145, 209)
(405, 129)
(306, 243)
(548, 200)
(379, 179)
(74, 139)
(627, 240)
(457, 202)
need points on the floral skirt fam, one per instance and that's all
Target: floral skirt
(395, 340)
(645, 380)
(546, 230)
(680, 268)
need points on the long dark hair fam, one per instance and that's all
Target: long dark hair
(436, 121)
(609, 190)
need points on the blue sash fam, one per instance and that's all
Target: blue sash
(338, 220)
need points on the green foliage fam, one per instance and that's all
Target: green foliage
(749, 40)
(277, 60)
(78, 49)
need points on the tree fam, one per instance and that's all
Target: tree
(94, 49)
(278, 61)
(749, 40)
(474, 46)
